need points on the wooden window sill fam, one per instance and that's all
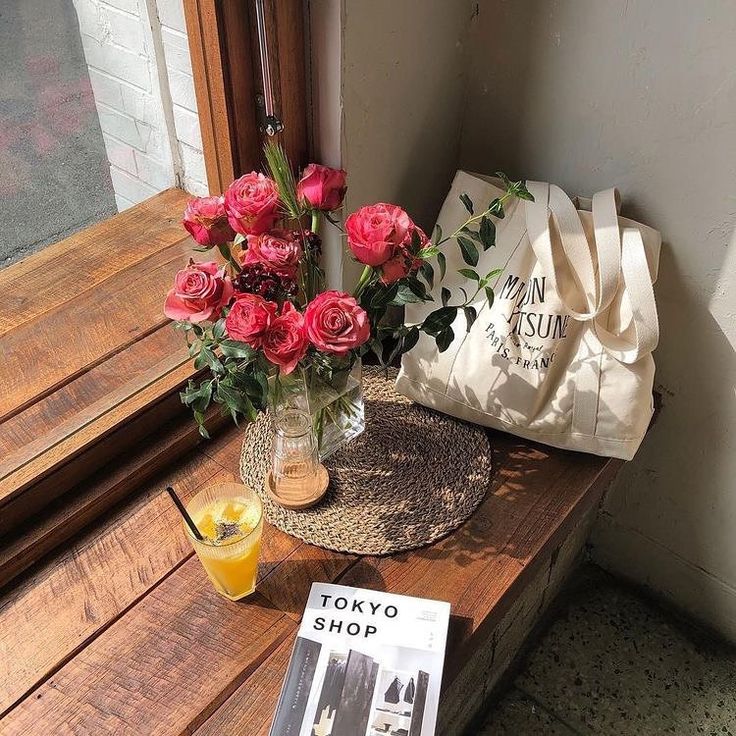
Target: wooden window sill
(90, 365)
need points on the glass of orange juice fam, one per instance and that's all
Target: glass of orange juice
(230, 518)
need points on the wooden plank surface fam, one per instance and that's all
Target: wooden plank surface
(163, 668)
(135, 548)
(87, 350)
(47, 415)
(30, 541)
(50, 350)
(46, 279)
(136, 641)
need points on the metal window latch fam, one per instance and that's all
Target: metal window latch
(271, 123)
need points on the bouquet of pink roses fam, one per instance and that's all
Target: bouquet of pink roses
(263, 311)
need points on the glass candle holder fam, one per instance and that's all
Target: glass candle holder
(230, 517)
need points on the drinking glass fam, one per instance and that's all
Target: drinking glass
(296, 470)
(230, 517)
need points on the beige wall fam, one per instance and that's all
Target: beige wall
(403, 89)
(641, 94)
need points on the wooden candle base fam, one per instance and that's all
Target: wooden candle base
(298, 494)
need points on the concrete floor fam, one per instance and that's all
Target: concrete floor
(54, 174)
(613, 663)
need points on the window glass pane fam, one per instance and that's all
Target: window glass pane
(97, 112)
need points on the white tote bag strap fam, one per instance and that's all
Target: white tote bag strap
(605, 208)
(640, 292)
(572, 237)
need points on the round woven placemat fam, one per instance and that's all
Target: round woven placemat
(412, 477)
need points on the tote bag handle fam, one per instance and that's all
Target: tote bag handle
(619, 256)
(599, 292)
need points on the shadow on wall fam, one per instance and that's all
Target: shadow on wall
(54, 174)
(597, 94)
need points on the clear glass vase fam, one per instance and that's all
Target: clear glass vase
(335, 405)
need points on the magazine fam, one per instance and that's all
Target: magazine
(365, 663)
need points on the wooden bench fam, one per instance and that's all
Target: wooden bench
(118, 631)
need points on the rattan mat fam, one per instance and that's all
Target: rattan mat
(412, 477)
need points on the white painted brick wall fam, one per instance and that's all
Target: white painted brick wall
(137, 90)
(181, 85)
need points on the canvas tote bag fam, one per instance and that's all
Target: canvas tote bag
(564, 354)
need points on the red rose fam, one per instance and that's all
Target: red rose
(280, 254)
(252, 204)
(335, 323)
(249, 319)
(376, 231)
(205, 219)
(405, 262)
(321, 187)
(200, 292)
(285, 343)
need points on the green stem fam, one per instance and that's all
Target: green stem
(475, 218)
(315, 221)
(365, 277)
(226, 253)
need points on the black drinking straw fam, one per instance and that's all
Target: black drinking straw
(185, 514)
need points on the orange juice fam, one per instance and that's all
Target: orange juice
(230, 518)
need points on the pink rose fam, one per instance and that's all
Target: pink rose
(285, 343)
(205, 219)
(281, 254)
(376, 231)
(250, 318)
(336, 323)
(200, 292)
(321, 187)
(396, 268)
(252, 204)
(405, 262)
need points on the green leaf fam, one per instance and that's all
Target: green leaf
(490, 296)
(439, 320)
(199, 418)
(467, 202)
(445, 296)
(427, 273)
(495, 208)
(442, 261)
(197, 397)
(410, 339)
(444, 339)
(470, 316)
(405, 295)
(235, 349)
(471, 234)
(487, 233)
(384, 295)
(419, 289)
(469, 251)
(437, 235)
(469, 273)
(523, 193)
(506, 181)
(492, 274)
(218, 329)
